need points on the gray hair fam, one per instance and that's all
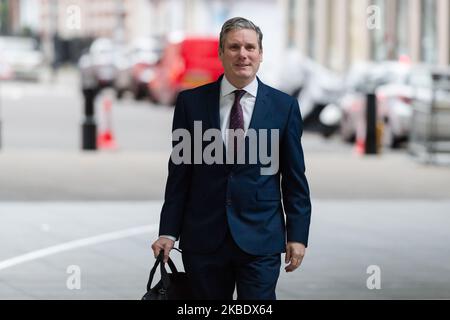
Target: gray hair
(238, 23)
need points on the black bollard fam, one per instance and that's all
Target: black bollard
(371, 124)
(89, 126)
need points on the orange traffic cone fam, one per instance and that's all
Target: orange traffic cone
(360, 146)
(105, 139)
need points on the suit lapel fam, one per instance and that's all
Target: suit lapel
(259, 120)
(261, 109)
(214, 104)
(260, 116)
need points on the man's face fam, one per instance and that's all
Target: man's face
(241, 56)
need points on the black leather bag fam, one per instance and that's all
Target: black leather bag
(172, 286)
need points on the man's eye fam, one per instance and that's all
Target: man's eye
(250, 48)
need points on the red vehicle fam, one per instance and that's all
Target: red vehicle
(184, 65)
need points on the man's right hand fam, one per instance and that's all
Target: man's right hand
(162, 244)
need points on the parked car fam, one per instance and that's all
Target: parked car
(98, 66)
(394, 101)
(361, 80)
(430, 103)
(20, 58)
(184, 64)
(321, 88)
(135, 68)
(6, 72)
(312, 84)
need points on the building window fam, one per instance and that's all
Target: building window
(428, 43)
(311, 29)
(378, 34)
(402, 43)
(335, 47)
(291, 23)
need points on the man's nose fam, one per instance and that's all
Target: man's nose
(242, 52)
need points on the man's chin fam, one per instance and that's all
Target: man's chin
(243, 75)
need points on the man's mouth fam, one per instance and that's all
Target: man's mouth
(242, 65)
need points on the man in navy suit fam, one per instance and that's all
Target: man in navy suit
(233, 218)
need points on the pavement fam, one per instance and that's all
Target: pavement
(108, 243)
(52, 175)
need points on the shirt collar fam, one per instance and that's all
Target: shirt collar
(226, 87)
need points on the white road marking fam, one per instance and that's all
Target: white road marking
(34, 255)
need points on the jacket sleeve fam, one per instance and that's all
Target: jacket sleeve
(295, 189)
(178, 182)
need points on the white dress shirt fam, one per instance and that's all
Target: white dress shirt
(226, 103)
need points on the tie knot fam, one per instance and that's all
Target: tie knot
(238, 94)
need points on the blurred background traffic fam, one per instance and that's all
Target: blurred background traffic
(328, 54)
(372, 78)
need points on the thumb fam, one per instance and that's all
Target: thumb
(156, 250)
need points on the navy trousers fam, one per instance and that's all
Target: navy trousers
(215, 276)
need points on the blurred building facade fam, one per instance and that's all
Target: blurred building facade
(68, 26)
(337, 33)
(9, 13)
(100, 18)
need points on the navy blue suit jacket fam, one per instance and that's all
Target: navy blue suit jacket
(262, 212)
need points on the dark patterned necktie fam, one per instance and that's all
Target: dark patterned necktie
(236, 116)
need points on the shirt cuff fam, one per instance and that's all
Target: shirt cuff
(168, 237)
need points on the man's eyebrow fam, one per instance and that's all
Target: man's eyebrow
(244, 44)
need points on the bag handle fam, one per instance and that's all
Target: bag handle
(172, 266)
(164, 276)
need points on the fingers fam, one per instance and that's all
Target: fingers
(295, 251)
(295, 263)
(156, 249)
(288, 254)
(166, 253)
(164, 245)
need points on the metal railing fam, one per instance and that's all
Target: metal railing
(430, 123)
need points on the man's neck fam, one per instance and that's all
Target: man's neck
(240, 84)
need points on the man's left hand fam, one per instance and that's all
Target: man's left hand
(295, 251)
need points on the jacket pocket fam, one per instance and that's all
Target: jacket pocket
(268, 194)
